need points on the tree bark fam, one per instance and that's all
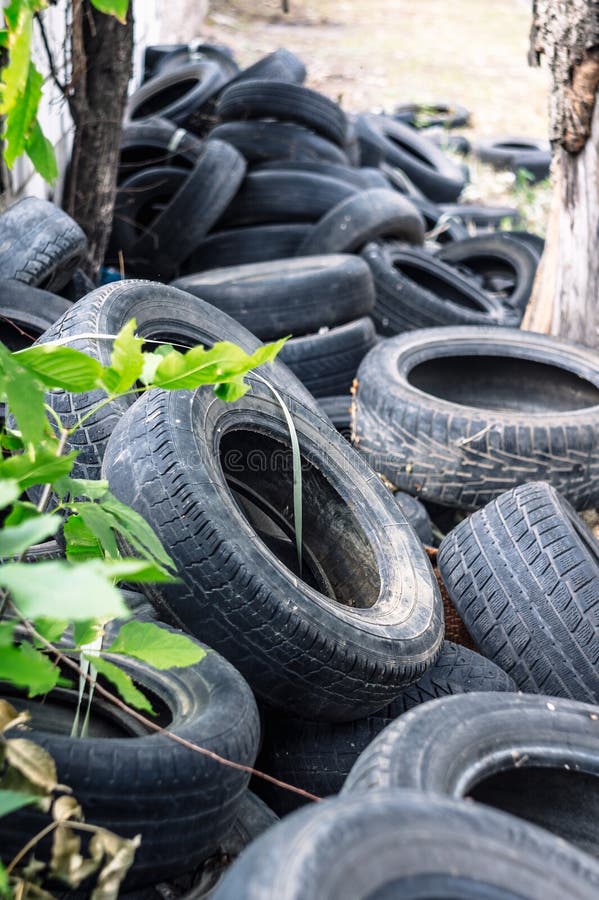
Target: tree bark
(566, 290)
(101, 63)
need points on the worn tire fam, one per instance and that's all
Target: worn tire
(40, 244)
(262, 142)
(161, 312)
(536, 757)
(481, 216)
(196, 206)
(399, 145)
(255, 98)
(408, 845)
(326, 362)
(327, 658)
(444, 426)
(155, 142)
(281, 65)
(523, 574)
(318, 756)
(514, 153)
(362, 217)
(288, 296)
(414, 290)
(363, 178)
(244, 246)
(492, 257)
(284, 197)
(430, 115)
(183, 96)
(338, 410)
(417, 515)
(139, 782)
(26, 312)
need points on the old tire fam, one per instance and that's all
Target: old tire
(364, 619)
(523, 574)
(460, 415)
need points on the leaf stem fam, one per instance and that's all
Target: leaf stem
(43, 501)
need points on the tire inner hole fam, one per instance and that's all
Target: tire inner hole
(503, 383)
(338, 560)
(438, 286)
(563, 801)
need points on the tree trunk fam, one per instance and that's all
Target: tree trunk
(566, 290)
(101, 54)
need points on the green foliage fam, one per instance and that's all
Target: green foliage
(122, 682)
(154, 645)
(21, 85)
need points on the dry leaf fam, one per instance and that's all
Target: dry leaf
(33, 762)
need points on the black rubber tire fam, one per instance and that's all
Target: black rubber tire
(523, 574)
(262, 142)
(281, 65)
(160, 60)
(430, 115)
(481, 216)
(242, 246)
(318, 756)
(536, 757)
(460, 415)
(415, 290)
(284, 197)
(139, 782)
(196, 206)
(140, 198)
(288, 296)
(362, 217)
(26, 312)
(184, 96)
(40, 244)
(326, 362)
(417, 515)
(299, 648)
(255, 98)
(399, 145)
(533, 241)
(457, 143)
(161, 313)
(338, 410)
(155, 142)
(449, 228)
(408, 846)
(516, 153)
(492, 256)
(363, 178)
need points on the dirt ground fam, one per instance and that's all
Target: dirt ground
(372, 55)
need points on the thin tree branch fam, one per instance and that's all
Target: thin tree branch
(61, 87)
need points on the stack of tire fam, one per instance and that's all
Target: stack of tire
(331, 668)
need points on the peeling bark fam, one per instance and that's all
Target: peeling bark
(566, 291)
(101, 53)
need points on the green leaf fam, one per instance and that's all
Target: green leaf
(152, 361)
(22, 510)
(41, 153)
(122, 683)
(81, 487)
(18, 538)
(224, 362)
(156, 646)
(117, 8)
(231, 390)
(45, 467)
(100, 524)
(25, 397)
(12, 441)
(57, 588)
(62, 367)
(19, 17)
(51, 629)
(136, 531)
(22, 116)
(9, 492)
(5, 890)
(126, 360)
(85, 632)
(7, 630)
(10, 801)
(25, 667)
(81, 542)
(139, 570)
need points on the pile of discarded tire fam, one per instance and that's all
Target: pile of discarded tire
(424, 683)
